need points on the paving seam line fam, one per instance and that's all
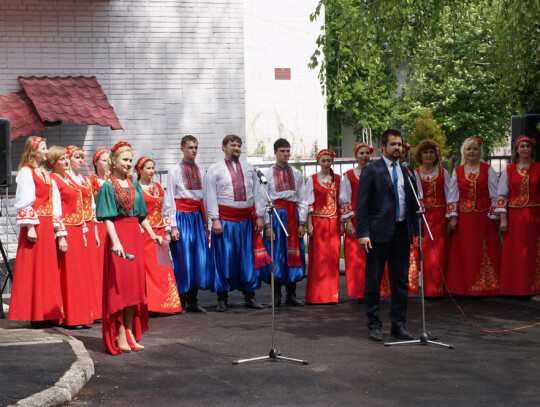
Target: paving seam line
(69, 384)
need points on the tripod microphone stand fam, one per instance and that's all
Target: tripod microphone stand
(425, 337)
(273, 354)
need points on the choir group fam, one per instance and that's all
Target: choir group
(97, 248)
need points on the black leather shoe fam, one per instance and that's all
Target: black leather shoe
(277, 301)
(292, 300)
(375, 335)
(195, 307)
(251, 303)
(400, 332)
(221, 305)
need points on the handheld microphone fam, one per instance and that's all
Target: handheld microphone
(128, 256)
(261, 176)
(408, 169)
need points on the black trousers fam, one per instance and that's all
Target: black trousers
(397, 253)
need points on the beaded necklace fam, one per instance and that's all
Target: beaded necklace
(123, 197)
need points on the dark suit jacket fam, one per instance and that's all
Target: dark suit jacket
(376, 204)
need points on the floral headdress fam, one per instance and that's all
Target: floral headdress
(532, 141)
(115, 148)
(476, 139)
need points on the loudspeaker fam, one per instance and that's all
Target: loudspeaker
(526, 125)
(5, 152)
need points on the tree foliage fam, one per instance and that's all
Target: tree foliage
(470, 54)
(427, 128)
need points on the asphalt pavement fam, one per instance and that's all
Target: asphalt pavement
(188, 360)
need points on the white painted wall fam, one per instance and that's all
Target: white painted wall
(168, 67)
(278, 34)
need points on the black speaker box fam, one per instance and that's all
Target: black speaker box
(5, 152)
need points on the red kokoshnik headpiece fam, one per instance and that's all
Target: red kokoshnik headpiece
(97, 154)
(36, 142)
(71, 150)
(115, 148)
(532, 141)
(326, 152)
(360, 145)
(141, 162)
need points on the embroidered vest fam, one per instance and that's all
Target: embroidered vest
(154, 203)
(326, 199)
(43, 206)
(519, 186)
(72, 202)
(433, 190)
(473, 193)
(86, 192)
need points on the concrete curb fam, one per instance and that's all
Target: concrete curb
(69, 384)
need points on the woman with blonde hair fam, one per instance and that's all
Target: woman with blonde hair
(36, 295)
(519, 208)
(120, 204)
(323, 229)
(475, 246)
(76, 281)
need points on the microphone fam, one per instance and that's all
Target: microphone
(261, 176)
(408, 170)
(128, 256)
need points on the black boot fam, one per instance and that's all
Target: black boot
(193, 302)
(249, 300)
(277, 295)
(222, 299)
(291, 296)
(183, 302)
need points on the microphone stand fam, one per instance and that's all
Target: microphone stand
(274, 354)
(425, 337)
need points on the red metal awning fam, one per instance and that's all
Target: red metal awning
(22, 114)
(77, 99)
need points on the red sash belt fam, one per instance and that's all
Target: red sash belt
(293, 241)
(261, 258)
(191, 205)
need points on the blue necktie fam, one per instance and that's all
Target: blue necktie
(395, 179)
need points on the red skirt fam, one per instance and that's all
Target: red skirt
(520, 263)
(355, 266)
(124, 284)
(323, 268)
(36, 293)
(160, 283)
(76, 279)
(434, 254)
(95, 265)
(474, 256)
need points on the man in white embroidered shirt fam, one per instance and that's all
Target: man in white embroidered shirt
(237, 251)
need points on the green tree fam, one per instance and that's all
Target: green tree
(427, 128)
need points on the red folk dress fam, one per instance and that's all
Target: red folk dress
(520, 263)
(76, 279)
(475, 246)
(102, 230)
(160, 282)
(323, 268)
(95, 263)
(36, 293)
(434, 198)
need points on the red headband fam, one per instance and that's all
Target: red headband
(325, 152)
(141, 162)
(360, 145)
(477, 139)
(71, 150)
(36, 142)
(97, 154)
(115, 148)
(528, 139)
(407, 146)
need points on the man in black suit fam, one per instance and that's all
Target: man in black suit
(385, 219)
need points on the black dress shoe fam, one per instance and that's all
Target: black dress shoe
(195, 307)
(221, 305)
(251, 303)
(292, 300)
(277, 301)
(375, 335)
(400, 332)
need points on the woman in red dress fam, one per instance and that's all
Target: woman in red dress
(120, 204)
(75, 276)
(436, 187)
(36, 295)
(161, 287)
(355, 257)
(519, 207)
(475, 246)
(323, 228)
(76, 161)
